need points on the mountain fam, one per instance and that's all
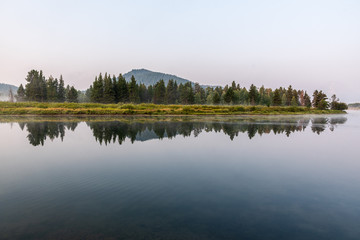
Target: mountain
(150, 78)
(4, 91)
(354, 105)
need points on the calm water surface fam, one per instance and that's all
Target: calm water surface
(180, 178)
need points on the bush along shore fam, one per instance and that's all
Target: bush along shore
(35, 108)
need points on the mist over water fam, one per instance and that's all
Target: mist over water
(293, 177)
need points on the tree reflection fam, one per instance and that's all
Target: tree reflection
(106, 132)
(40, 131)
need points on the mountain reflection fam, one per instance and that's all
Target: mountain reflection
(106, 132)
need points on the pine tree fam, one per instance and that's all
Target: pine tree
(307, 100)
(159, 92)
(253, 95)
(143, 93)
(315, 100)
(216, 98)
(296, 96)
(123, 89)
(133, 90)
(197, 98)
(190, 98)
(52, 89)
(199, 94)
(294, 102)
(115, 89)
(71, 94)
(229, 94)
(97, 94)
(289, 95)
(43, 89)
(233, 85)
(284, 99)
(61, 90)
(277, 98)
(20, 96)
(150, 93)
(32, 88)
(244, 96)
(171, 92)
(109, 94)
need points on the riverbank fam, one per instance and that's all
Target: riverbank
(49, 109)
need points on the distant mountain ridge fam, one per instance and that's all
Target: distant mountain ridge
(4, 91)
(148, 77)
(354, 105)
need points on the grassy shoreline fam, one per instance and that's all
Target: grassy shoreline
(97, 109)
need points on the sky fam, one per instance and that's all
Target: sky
(309, 44)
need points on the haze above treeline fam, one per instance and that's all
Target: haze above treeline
(307, 44)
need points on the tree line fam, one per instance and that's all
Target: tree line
(112, 89)
(40, 89)
(107, 89)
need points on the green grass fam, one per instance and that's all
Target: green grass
(34, 108)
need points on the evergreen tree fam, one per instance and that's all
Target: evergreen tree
(253, 95)
(182, 94)
(133, 90)
(336, 105)
(229, 95)
(216, 98)
(289, 95)
(97, 93)
(52, 89)
(197, 98)
(109, 94)
(20, 96)
(71, 94)
(88, 93)
(190, 93)
(307, 100)
(296, 97)
(32, 88)
(283, 99)
(233, 85)
(171, 92)
(61, 90)
(277, 98)
(115, 89)
(294, 102)
(150, 93)
(43, 90)
(199, 94)
(315, 101)
(143, 93)
(159, 92)
(244, 96)
(323, 104)
(123, 89)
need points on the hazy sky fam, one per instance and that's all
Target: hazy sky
(308, 44)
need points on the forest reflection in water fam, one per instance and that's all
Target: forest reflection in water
(118, 130)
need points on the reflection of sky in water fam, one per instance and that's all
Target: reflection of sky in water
(304, 186)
